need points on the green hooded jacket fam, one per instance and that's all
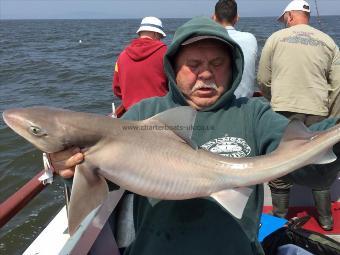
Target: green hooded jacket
(231, 127)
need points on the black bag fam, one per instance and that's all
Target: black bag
(292, 233)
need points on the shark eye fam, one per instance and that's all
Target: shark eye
(36, 131)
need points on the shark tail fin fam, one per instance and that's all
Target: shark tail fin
(88, 192)
(233, 200)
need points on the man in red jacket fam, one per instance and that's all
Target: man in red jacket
(139, 71)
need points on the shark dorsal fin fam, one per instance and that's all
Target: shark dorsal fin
(180, 120)
(296, 130)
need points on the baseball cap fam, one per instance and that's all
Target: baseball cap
(295, 5)
(204, 37)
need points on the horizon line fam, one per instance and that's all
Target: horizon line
(1, 19)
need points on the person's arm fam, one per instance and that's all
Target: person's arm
(268, 127)
(264, 75)
(252, 66)
(115, 83)
(319, 176)
(334, 81)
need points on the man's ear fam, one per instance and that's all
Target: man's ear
(290, 16)
(156, 36)
(213, 17)
(236, 19)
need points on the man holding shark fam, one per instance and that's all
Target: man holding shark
(204, 67)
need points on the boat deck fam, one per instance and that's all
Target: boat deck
(301, 204)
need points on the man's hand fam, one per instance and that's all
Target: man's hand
(64, 162)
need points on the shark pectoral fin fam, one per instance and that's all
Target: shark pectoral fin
(326, 158)
(180, 120)
(233, 200)
(88, 191)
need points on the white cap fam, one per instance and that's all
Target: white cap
(295, 5)
(151, 24)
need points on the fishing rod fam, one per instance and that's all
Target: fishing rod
(317, 13)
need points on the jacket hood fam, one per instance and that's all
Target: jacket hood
(141, 48)
(203, 26)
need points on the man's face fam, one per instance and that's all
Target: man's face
(203, 72)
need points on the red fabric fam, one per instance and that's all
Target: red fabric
(312, 224)
(139, 72)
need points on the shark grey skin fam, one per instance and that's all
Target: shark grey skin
(151, 159)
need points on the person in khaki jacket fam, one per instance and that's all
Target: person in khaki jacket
(299, 73)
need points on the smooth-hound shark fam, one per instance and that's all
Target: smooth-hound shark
(150, 159)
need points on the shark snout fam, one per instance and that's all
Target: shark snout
(7, 116)
(11, 118)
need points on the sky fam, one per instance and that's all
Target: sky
(115, 9)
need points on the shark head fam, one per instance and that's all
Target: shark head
(38, 125)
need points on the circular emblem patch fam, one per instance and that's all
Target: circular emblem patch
(232, 147)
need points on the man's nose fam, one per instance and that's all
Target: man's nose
(205, 74)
